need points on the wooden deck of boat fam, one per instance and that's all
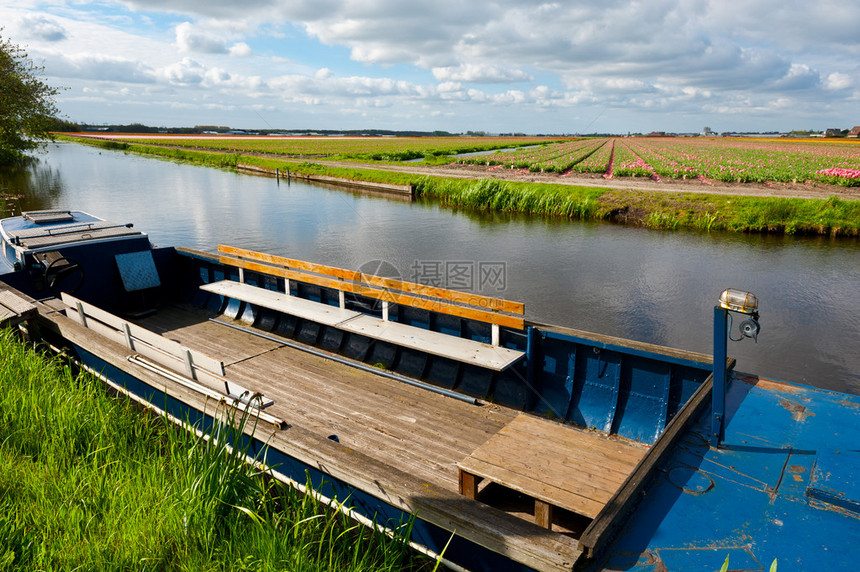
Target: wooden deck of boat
(399, 443)
(421, 432)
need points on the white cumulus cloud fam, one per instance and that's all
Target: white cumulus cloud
(43, 27)
(99, 67)
(240, 50)
(838, 80)
(188, 39)
(478, 73)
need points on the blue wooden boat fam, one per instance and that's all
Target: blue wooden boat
(514, 445)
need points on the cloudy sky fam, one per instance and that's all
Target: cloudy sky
(496, 66)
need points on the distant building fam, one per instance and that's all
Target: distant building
(833, 133)
(855, 131)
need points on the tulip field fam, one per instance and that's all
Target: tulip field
(368, 148)
(725, 159)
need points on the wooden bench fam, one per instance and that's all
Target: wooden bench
(493, 311)
(193, 364)
(556, 465)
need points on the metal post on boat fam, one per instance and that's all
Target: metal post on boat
(718, 397)
(731, 300)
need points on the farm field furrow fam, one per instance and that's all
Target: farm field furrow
(597, 162)
(628, 163)
(554, 158)
(727, 160)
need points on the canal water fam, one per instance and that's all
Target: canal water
(652, 286)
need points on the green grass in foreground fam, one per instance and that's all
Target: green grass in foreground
(89, 482)
(665, 211)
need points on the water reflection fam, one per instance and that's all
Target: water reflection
(627, 282)
(32, 187)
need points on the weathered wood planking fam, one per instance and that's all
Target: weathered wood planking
(384, 418)
(491, 528)
(15, 309)
(124, 330)
(194, 364)
(191, 327)
(428, 433)
(555, 464)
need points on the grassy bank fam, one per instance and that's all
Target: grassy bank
(672, 211)
(89, 482)
(665, 211)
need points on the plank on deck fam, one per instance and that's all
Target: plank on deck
(422, 432)
(14, 309)
(192, 328)
(575, 469)
(385, 419)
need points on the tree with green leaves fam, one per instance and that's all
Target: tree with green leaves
(27, 107)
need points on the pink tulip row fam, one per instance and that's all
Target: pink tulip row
(628, 163)
(746, 161)
(554, 158)
(837, 172)
(596, 162)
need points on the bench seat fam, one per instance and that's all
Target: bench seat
(492, 357)
(306, 309)
(436, 343)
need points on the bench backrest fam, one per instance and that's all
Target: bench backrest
(463, 304)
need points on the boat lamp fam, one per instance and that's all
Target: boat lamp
(742, 302)
(738, 301)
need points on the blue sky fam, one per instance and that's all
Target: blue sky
(497, 66)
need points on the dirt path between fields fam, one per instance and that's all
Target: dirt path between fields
(788, 190)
